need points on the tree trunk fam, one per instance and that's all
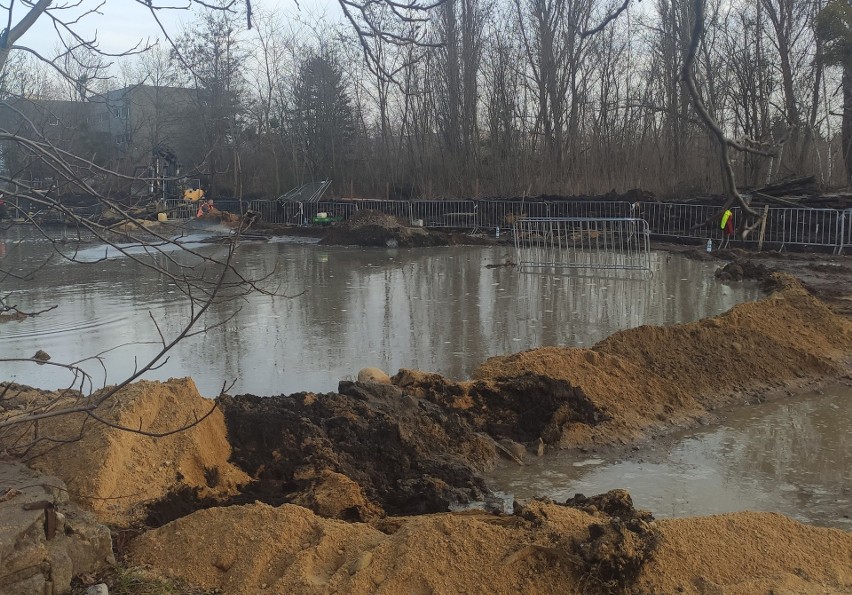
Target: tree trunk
(847, 123)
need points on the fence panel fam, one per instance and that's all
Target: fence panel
(456, 214)
(590, 208)
(845, 231)
(180, 209)
(677, 220)
(803, 227)
(581, 242)
(504, 213)
(397, 208)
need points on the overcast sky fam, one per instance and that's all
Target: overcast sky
(123, 23)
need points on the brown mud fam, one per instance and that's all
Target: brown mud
(371, 228)
(408, 456)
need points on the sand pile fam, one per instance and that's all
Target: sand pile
(114, 472)
(648, 378)
(747, 553)
(538, 550)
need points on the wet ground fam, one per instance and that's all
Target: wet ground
(793, 457)
(437, 309)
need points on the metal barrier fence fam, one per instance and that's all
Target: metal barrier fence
(583, 242)
(784, 226)
(825, 228)
(457, 214)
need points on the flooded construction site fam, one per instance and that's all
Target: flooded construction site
(522, 376)
(443, 310)
(340, 309)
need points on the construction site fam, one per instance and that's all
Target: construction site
(423, 406)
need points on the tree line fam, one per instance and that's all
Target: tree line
(498, 97)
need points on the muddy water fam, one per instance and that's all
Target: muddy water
(438, 310)
(793, 457)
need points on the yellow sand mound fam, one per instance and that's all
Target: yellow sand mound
(246, 549)
(748, 553)
(114, 472)
(649, 377)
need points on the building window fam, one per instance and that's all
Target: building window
(122, 113)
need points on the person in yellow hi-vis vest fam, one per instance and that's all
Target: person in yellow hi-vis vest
(727, 223)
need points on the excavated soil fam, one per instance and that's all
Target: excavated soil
(407, 456)
(647, 379)
(543, 548)
(372, 228)
(114, 472)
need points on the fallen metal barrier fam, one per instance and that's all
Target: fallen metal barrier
(583, 242)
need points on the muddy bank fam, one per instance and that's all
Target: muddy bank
(648, 380)
(418, 445)
(407, 456)
(827, 276)
(597, 545)
(372, 228)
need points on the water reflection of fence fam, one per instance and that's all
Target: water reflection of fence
(583, 242)
(825, 228)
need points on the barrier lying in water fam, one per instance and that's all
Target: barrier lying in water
(583, 242)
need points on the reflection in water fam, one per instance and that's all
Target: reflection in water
(439, 310)
(793, 457)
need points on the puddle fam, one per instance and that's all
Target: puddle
(434, 309)
(792, 457)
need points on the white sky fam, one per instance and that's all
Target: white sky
(123, 23)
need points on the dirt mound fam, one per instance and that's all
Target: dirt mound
(647, 378)
(538, 550)
(408, 456)
(294, 551)
(500, 407)
(114, 472)
(214, 215)
(372, 228)
(618, 547)
(335, 496)
(747, 553)
(738, 270)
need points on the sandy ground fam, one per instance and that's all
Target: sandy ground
(539, 550)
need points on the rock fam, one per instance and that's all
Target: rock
(373, 375)
(99, 589)
(41, 356)
(45, 540)
(361, 563)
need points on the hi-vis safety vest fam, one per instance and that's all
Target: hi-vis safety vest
(725, 216)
